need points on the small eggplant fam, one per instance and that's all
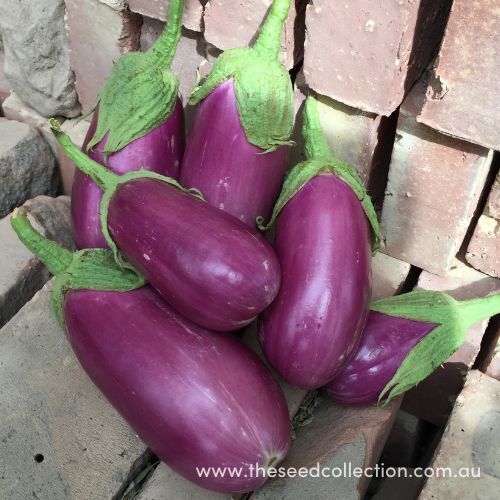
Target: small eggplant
(138, 122)
(195, 397)
(210, 267)
(236, 151)
(405, 339)
(323, 243)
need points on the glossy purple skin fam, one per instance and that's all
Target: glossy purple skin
(195, 397)
(323, 245)
(159, 151)
(385, 343)
(209, 266)
(232, 174)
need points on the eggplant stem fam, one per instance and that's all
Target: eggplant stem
(268, 42)
(476, 310)
(103, 177)
(316, 145)
(54, 256)
(163, 50)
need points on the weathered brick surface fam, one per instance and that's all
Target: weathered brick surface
(462, 98)
(15, 109)
(388, 276)
(62, 438)
(116, 4)
(484, 248)
(435, 182)
(98, 36)
(36, 55)
(433, 398)
(158, 9)
(22, 274)
(471, 439)
(362, 139)
(335, 437)
(4, 84)
(165, 484)
(228, 26)
(27, 165)
(368, 54)
(77, 130)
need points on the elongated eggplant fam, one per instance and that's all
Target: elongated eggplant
(138, 123)
(236, 151)
(195, 397)
(405, 339)
(209, 266)
(323, 243)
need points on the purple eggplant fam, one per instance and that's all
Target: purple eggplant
(210, 267)
(236, 151)
(405, 339)
(195, 397)
(138, 123)
(323, 242)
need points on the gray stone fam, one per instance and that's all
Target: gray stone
(4, 84)
(22, 274)
(27, 165)
(60, 439)
(37, 55)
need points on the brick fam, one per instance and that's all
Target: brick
(434, 186)
(4, 84)
(362, 139)
(22, 274)
(27, 165)
(493, 205)
(37, 61)
(158, 9)
(98, 36)
(77, 130)
(63, 439)
(388, 276)
(228, 27)
(15, 109)
(433, 398)
(335, 437)
(165, 484)
(116, 4)
(379, 49)
(493, 367)
(462, 95)
(471, 439)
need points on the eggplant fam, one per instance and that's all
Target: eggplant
(405, 339)
(138, 122)
(323, 242)
(237, 149)
(210, 267)
(195, 397)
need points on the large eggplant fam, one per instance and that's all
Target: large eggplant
(322, 240)
(405, 339)
(195, 397)
(236, 151)
(138, 123)
(209, 266)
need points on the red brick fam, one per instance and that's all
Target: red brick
(336, 437)
(98, 36)
(228, 26)
(432, 399)
(158, 9)
(368, 54)
(471, 440)
(435, 182)
(77, 130)
(484, 248)
(388, 276)
(462, 98)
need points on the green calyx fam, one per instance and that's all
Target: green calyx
(452, 319)
(264, 94)
(91, 269)
(319, 161)
(141, 91)
(109, 182)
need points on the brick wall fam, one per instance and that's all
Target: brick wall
(407, 93)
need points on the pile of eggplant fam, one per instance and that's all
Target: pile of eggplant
(172, 258)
